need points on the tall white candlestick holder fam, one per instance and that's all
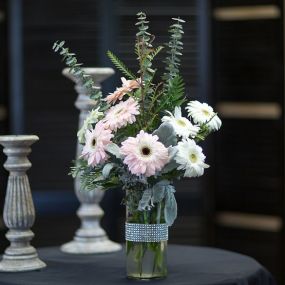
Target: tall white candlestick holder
(90, 237)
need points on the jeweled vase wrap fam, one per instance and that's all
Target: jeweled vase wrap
(146, 232)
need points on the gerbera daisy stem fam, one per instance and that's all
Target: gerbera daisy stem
(158, 213)
(156, 95)
(150, 122)
(145, 217)
(142, 98)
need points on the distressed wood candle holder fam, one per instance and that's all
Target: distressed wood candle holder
(19, 211)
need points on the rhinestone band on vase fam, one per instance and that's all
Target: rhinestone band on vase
(146, 232)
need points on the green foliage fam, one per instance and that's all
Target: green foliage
(75, 68)
(155, 52)
(172, 164)
(145, 54)
(154, 98)
(175, 47)
(132, 199)
(162, 191)
(91, 179)
(164, 95)
(114, 149)
(107, 169)
(143, 33)
(204, 131)
(120, 65)
(166, 99)
(170, 209)
(94, 177)
(145, 203)
(79, 166)
(144, 48)
(175, 95)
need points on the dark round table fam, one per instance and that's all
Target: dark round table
(187, 266)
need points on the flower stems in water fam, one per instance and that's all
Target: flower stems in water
(147, 259)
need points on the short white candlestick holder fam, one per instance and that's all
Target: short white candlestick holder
(19, 211)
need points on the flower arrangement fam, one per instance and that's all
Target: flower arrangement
(139, 139)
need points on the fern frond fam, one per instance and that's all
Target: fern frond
(175, 94)
(120, 65)
(156, 51)
(92, 178)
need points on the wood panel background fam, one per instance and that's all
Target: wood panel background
(3, 90)
(248, 68)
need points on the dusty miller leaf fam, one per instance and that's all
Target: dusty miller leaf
(159, 191)
(170, 209)
(114, 149)
(172, 164)
(145, 202)
(166, 135)
(107, 169)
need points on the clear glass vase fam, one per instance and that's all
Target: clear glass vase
(146, 260)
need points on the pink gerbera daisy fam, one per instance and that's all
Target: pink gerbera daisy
(121, 114)
(96, 142)
(117, 95)
(144, 154)
(128, 86)
(131, 84)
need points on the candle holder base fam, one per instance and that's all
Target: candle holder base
(90, 246)
(19, 262)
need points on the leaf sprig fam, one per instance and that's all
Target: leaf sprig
(75, 68)
(175, 47)
(144, 48)
(175, 95)
(120, 65)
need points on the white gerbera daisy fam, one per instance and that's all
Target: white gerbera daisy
(190, 157)
(92, 118)
(181, 125)
(203, 113)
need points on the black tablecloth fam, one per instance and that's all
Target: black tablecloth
(187, 266)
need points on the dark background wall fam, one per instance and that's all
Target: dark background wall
(3, 85)
(248, 75)
(235, 63)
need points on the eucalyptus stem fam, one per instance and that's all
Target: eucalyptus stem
(75, 68)
(175, 47)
